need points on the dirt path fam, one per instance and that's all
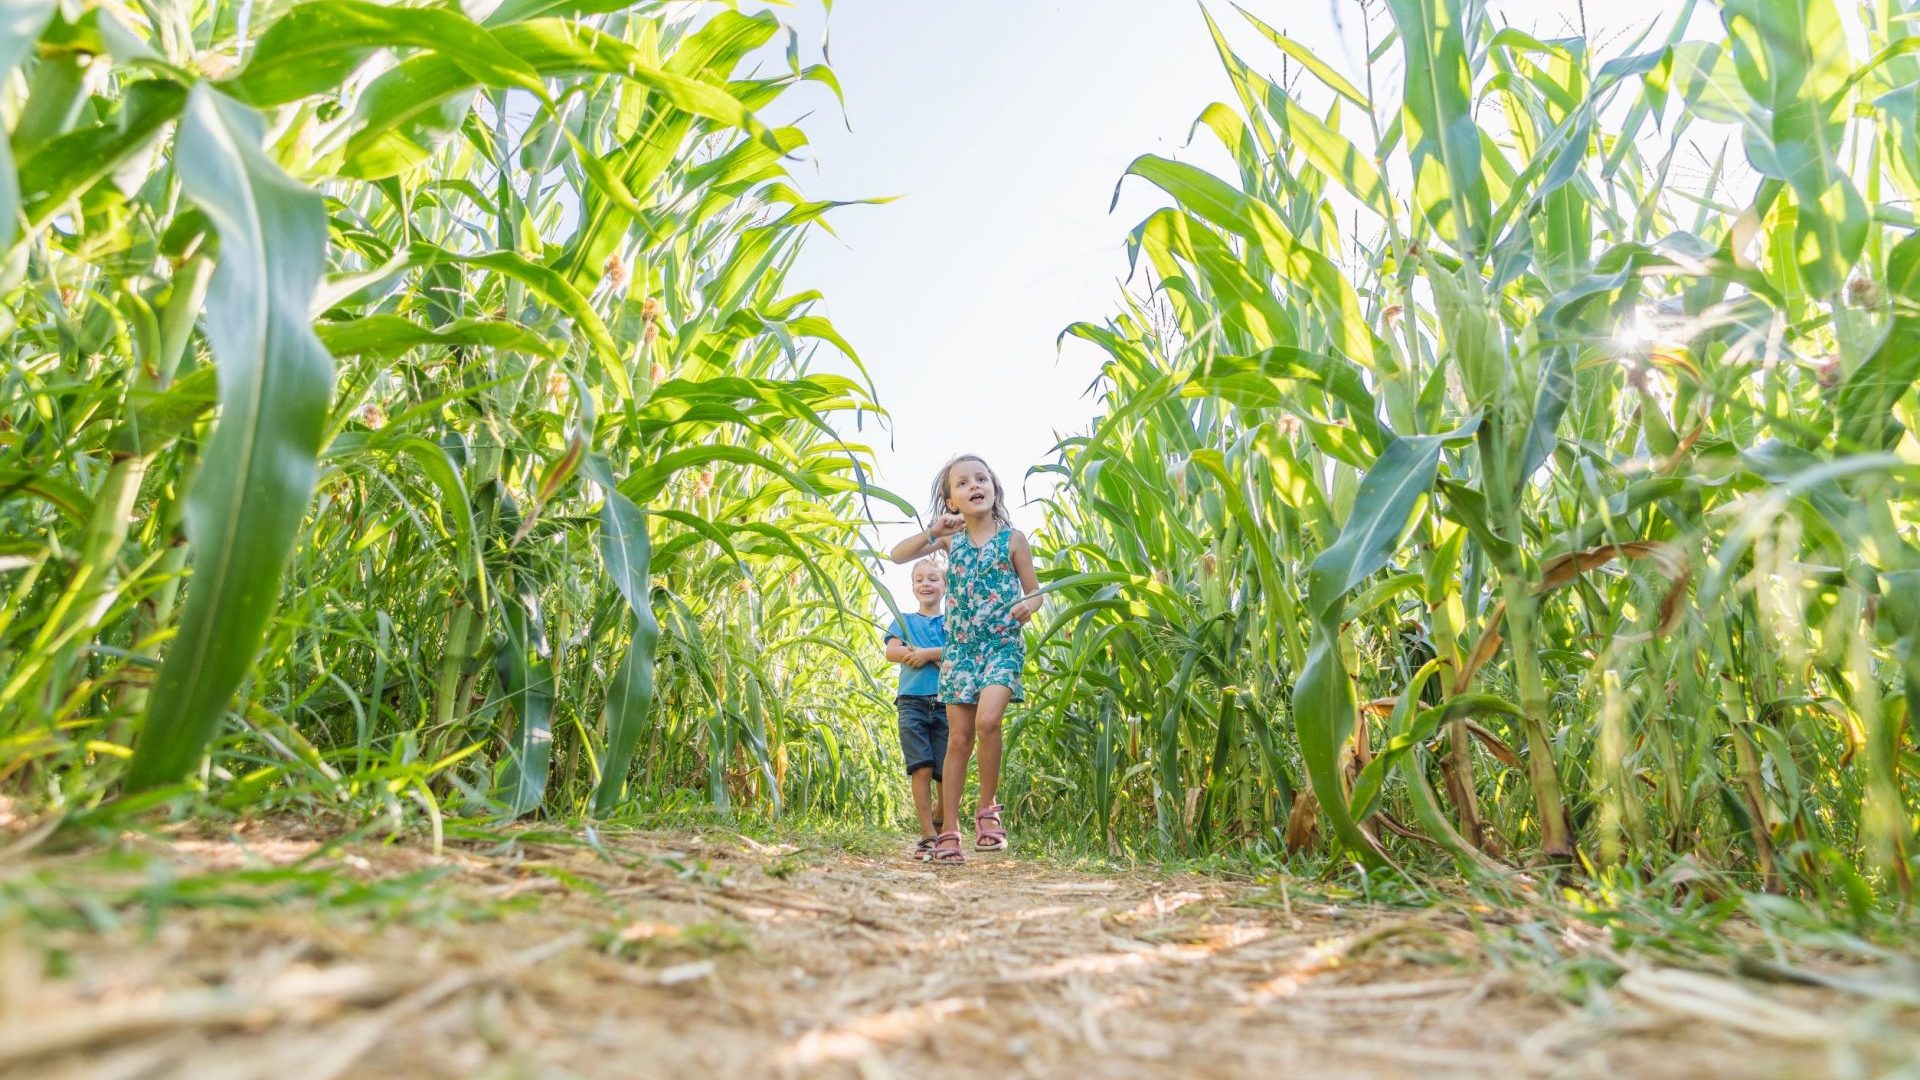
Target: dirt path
(710, 954)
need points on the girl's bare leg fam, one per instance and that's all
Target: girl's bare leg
(986, 723)
(959, 749)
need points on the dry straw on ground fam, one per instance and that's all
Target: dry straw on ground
(675, 954)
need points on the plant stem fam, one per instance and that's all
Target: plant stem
(1556, 838)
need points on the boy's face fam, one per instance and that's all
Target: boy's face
(929, 584)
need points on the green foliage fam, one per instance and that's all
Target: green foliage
(417, 412)
(1556, 510)
(257, 472)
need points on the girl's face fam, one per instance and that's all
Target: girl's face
(970, 488)
(929, 584)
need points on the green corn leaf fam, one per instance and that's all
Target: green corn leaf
(456, 508)
(1793, 61)
(1218, 202)
(1468, 506)
(1195, 189)
(626, 556)
(316, 45)
(1226, 734)
(395, 335)
(20, 24)
(1330, 152)
(1549, 405)
(244, 511)
(1171, 798)
(1275, 376)
(1364, 799)
(554, 289)
(404, 116)
(1213, 462)
(1864, 400)
(1310, 60)
(513, 11)
(524, 666)
(1427, 811)
(1392, 490)
(159, 418)
(57, 91)
(719, 45)
(71, 164)
(72, 502)
(1450, 188)
(1323, 702)
(645, 483)
(699, 529)
(1412, 728)
(406, 112)
(1246, 306)
(1323, 716)
(1247, 86)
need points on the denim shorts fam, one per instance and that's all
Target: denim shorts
(923, 732)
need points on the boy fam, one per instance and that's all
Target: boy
(916, 641)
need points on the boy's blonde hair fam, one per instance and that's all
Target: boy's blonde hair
(937, 560)
(939, 501)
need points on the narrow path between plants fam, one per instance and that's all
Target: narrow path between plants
(278, 954)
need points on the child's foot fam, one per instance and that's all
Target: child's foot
(922, 850)
(946, 850)
(988, 835)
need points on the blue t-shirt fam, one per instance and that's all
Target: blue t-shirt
(922, 632)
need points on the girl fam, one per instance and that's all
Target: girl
(990, 596)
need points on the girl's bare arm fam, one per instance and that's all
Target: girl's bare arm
(1022, 556)
(934, 537)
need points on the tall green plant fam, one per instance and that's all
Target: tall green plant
(403, 404)
(1559, 510)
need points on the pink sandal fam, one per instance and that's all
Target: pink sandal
(989, 837)
(946, 850)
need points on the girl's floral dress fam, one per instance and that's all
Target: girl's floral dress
(984, 646)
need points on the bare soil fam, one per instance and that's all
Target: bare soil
(278, 954)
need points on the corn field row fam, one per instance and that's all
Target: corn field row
(412, 407)
(1471, 485)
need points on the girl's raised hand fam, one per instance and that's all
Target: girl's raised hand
(946, 525)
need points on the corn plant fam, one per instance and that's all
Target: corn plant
(1513, 461)
(402, 403)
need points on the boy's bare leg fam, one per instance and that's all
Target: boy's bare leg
(959, 749)
(986, 724)
(923, 798)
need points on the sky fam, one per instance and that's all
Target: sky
(1003, 126)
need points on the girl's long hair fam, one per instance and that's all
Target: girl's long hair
(938, 504)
